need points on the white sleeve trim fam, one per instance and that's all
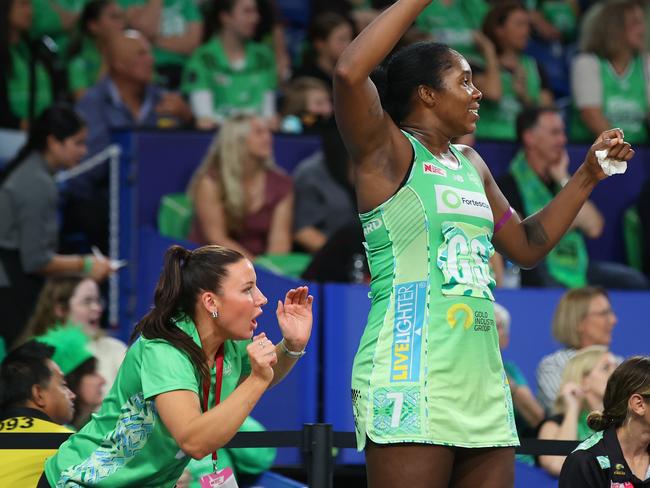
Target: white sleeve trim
(202, 104)
(586, 85)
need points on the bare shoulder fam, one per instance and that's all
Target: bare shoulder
(471, 154)
(206, 184)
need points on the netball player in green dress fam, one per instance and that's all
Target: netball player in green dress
(431, 401)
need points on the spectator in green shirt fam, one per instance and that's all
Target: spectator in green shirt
(56, 19)
(231, 73)
(610, 78)
(174, 28)
(520, 82)
(21, 99)
(456, 23)
(88, 53)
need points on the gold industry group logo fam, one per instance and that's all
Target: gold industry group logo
(460, 313)
(463, 314)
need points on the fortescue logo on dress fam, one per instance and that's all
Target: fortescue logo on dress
(451, 200)
(410, 306)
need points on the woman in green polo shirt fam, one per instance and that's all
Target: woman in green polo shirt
(193, 347)
(22, 97)
(230, 72)
(610, 78)
(100, 19)
(520, 83)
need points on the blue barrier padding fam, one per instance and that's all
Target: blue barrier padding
(532, 477)
(291, 403)
(345, 313)
(295, 11)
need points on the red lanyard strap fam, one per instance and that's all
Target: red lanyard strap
(218, 378)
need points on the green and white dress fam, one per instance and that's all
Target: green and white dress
(428, 369)
(126, 443)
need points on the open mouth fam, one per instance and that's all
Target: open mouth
(254, 320)
(474, 112)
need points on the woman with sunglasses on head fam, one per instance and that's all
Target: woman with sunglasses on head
(618, 454)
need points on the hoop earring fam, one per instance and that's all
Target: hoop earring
(215, 314)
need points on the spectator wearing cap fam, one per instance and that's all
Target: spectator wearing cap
(79, 366)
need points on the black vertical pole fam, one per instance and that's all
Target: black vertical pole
(318, 441)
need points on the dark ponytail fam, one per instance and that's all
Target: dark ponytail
(58, 120)
(598, 421)
(185, 275)
(399, 76)
(632, 376)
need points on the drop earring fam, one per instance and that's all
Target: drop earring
(215, 314)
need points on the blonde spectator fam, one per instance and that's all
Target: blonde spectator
(582, 390)
(584, 317)
(622, 433)
(242, 201)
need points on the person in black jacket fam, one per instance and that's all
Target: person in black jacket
(618, 454)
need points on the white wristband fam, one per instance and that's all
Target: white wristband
(291, 354)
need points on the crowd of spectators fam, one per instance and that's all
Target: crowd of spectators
(194, 64)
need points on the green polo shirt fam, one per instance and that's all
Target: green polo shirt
(174, 20)
(19, 87)
(454, 24)
(233, 89)
(126, 443)
(47, 22)
(85, 67)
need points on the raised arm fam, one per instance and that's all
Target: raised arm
(295, 321)
(529, 241)
(374, 141)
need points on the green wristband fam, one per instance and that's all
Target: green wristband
(88, 265)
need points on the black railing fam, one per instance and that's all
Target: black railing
(316, 442)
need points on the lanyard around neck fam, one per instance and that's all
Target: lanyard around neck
(218, 378)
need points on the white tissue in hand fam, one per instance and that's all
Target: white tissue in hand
(610, 166)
